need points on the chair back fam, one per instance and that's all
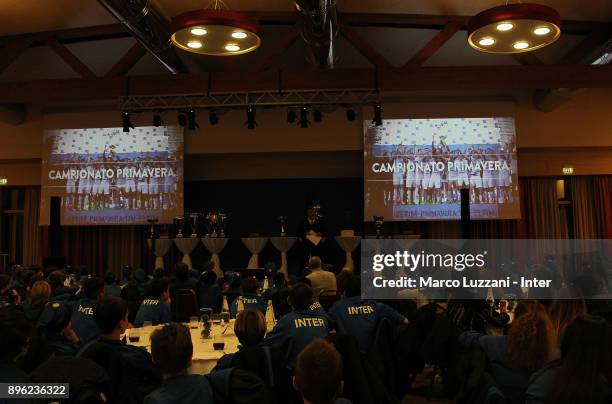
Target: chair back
(186, 305)
(327, 298)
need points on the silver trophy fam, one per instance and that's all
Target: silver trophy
(221, 224)
(283, 225)
(209, 224)
(152, 221)
(193, 222)
(379, 224)
(179, 223)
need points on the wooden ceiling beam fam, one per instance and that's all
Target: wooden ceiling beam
(127, 61)
(363, 46)
(527, 58)
(588, 45)
(449, 30)
(468, 78)
(69, 58)
(11, 51)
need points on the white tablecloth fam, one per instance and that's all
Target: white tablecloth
(254, 245)
(186, 245)
(348, 245)
(162, 245)
(215, 245)
(283, 244)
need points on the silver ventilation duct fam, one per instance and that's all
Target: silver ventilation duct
(149, 27)
(319, 22)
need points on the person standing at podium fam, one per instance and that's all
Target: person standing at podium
(311, 228)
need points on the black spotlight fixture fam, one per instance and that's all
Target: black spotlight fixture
(157, 121)
(317, 116)
(377, 115)
(291, 116)
(250, 113)
(182, 119)
(126, 122)
(213, 118)
(350, 115)
(191, 119)
(303, 118)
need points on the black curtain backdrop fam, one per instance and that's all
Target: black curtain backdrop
(253, 207)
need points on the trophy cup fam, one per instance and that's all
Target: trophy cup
(152, 220)
(283, 225)
(193, 222)
(179, 222)
(379, 224)
(208, 224)
(221, 224)
(214, 220)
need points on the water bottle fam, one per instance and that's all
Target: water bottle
(225, 306)
(239, 306)
(270, 319)
(266, 284)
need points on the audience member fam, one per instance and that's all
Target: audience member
(130, 368)
(209, 292)
(249, 296)
(529, 345)
(359, 317)
(172, 352)
(182, 280)
(83, 310)
(318, 374)
(54, 325)
(40, 292)
(563, 312)
(111, 288)
(156, 305)
(15, 333)
(297, 329)
(8, 294)
(321, 279)
(58, 290)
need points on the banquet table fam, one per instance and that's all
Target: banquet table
(255, 245)
(186, 245)
(162, 245)
(283, 244)
(348, 245)
(215, 245)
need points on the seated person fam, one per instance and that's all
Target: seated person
(358, 317)
(155, 306)
(250, 328)
(133, 375)
(172, 352)
(182, 280)
(320, 279)
(8, 294)
(278, 283)
(58, 290)
(83, 310)
(35, 303)
(111, 288)
(530, 344)
(318, 374)
(15, 333)
(297, 329)
(54, 325)
(209, 292)
(249, 295)
(584, 373)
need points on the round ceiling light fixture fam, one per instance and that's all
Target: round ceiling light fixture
(215, 32)
(514, 28)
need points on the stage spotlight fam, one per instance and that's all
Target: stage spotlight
(213, 118)
(303, 117)
(182, 119)
(125, 120)
(318, 116)
(191, 119)
(250, 113)
(377, 115)
(291, 116)
(350, 115)
(157, 121)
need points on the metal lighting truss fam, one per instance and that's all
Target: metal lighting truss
(356, 96)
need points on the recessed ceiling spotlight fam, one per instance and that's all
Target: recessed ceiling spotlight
(194, 44)
(199, 31)
(541, 31)
(521, 45)
(505, 26)
(232, 47)
(239, 35)
(486, 41)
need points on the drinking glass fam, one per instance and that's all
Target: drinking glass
(134, 335)
(194, 322)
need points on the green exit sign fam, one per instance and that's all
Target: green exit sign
(568, 170)
(3, 181)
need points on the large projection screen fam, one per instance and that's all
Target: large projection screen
(415, 168)
(107, 177)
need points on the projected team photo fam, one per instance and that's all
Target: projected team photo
(107, 176)
(415, 168)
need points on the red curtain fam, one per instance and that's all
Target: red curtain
(602, 194)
